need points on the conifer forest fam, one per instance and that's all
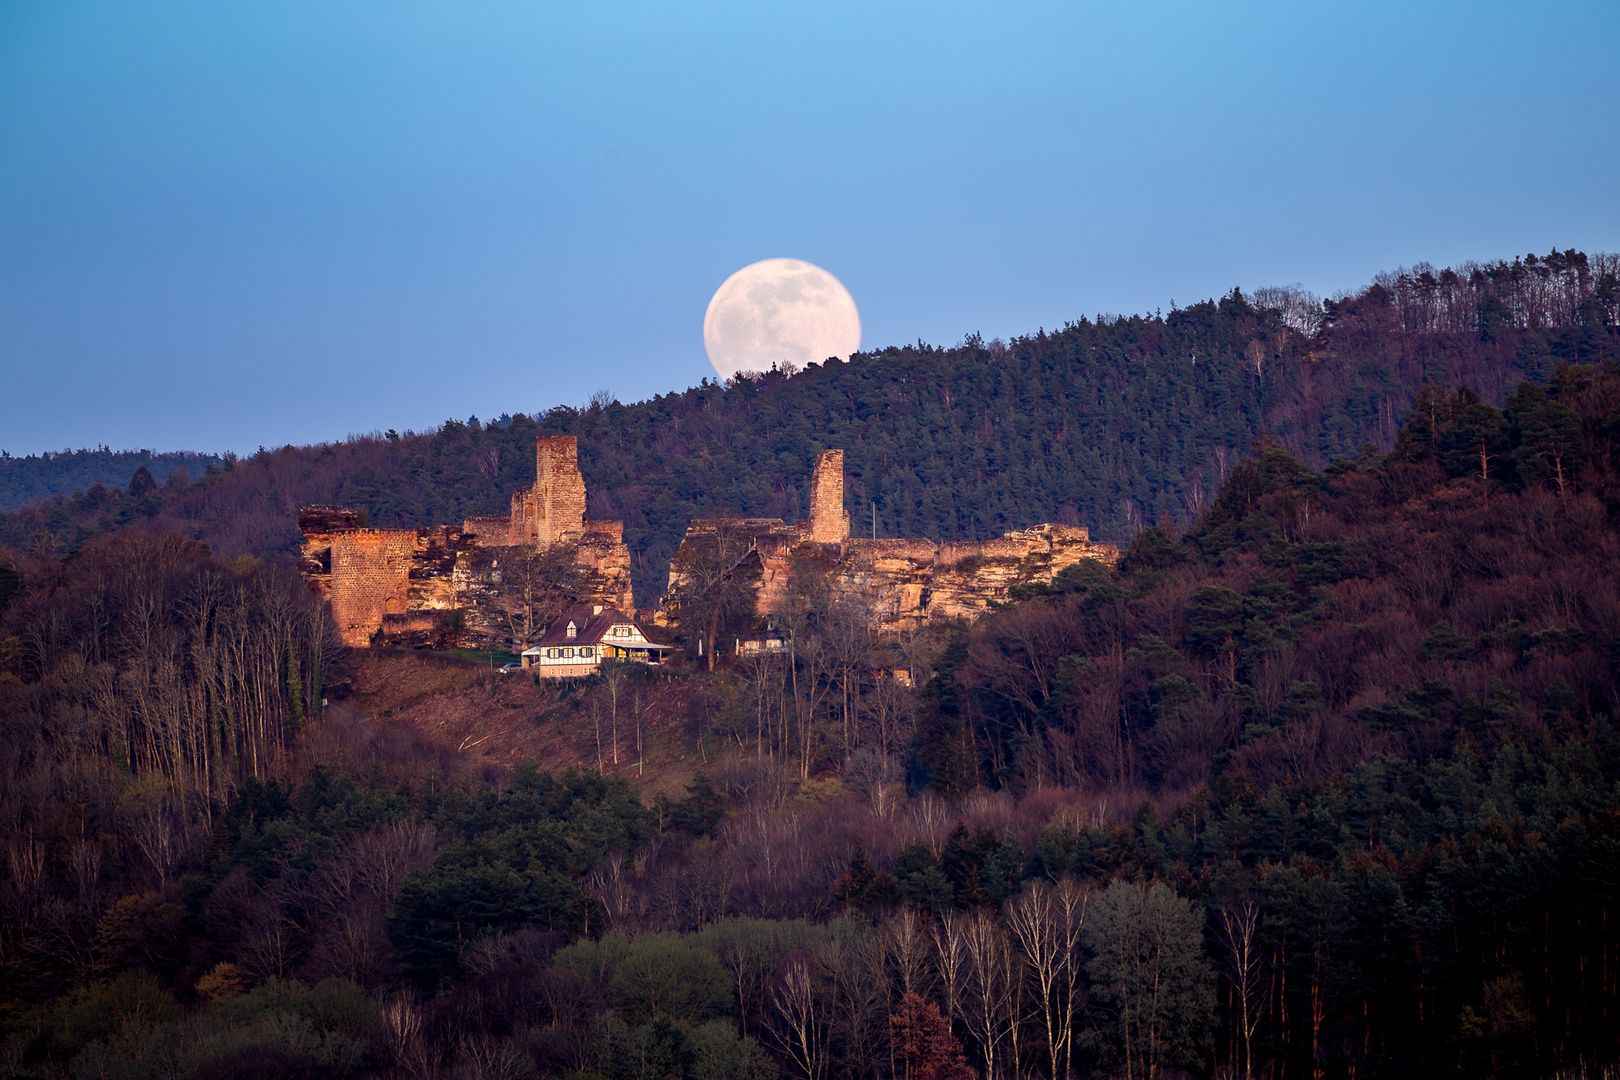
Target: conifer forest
(1322, 781)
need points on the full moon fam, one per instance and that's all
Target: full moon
(779, 311)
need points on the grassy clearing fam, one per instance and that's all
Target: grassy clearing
(494, 659)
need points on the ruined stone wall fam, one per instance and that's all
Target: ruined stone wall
(491, 531)
(407, 582)
(829, 521)
(320, 524)
(415, 629)
(524, 525)
(605, 562)
(370, 578)
(907, 582)
(559, 490)
(382, 572)
(771, 540)
(902, 582)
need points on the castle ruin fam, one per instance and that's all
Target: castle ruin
(409, 584)
(902, 582)
(442, 584)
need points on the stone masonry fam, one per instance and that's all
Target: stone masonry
(902, 582)
(559, 490)
(829, 521)
(406, 584)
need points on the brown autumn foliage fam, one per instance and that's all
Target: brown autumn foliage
(1311, 620)
(924, 1048)
(958, 443)
(1355, 724)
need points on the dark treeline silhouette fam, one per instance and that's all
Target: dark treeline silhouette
(1113, 423)
(34, 477)
(1327, 785)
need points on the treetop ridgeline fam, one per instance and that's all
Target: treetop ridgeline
(1324, 785)
(1114, 423)
(1322, 779)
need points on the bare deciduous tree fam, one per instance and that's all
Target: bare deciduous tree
(709, 586)
(1046, 921)
(527, 588)
(614, 676)
(403, 1023)
(801, 1026)
(908, 947)
(859, 999)
(992, 994)
(1245, 970)
(950, 958)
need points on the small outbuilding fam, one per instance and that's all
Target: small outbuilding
(581, 639)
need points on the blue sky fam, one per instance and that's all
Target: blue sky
(227, 225)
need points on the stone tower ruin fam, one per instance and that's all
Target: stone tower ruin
(901, 582)
(829, 521)
(559, 490)
(405, 582)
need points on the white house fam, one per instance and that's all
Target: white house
(578, 642)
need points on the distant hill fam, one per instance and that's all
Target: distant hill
(1349, 736)
(29, 479)
(1113, 424)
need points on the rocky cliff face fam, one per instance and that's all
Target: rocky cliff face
(446, 586)
(900, 582)
(910, 581)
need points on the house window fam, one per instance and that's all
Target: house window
(586, 651)
(551, 654)
(568, 654)
(572, 630)
(621, 631)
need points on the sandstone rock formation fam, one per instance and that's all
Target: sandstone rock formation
(902, 582)
(444, 584)
(450, 585)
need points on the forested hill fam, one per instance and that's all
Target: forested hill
(1326, 785)
(33, 477)
(1111, 423)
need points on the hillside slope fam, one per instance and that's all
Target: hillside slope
(33, 477)
(1350, 737)
(1111, 424)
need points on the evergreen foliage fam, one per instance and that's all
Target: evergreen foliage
(1113, 423)
(1326, 783)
